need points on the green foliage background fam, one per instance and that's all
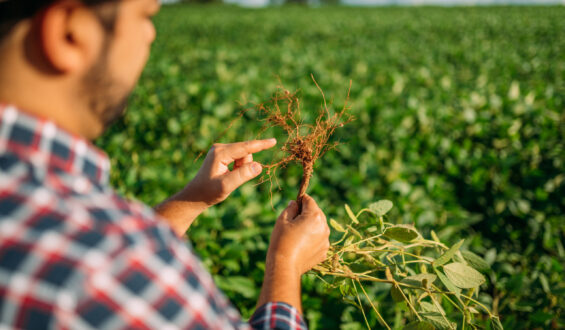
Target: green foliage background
(460, 121)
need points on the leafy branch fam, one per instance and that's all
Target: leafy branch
(425, 275)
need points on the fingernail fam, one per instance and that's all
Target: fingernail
(273, 140)
(256, 168)
(289, 203)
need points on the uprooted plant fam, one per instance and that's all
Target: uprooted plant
(305, 143)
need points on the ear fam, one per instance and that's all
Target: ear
(71, 36)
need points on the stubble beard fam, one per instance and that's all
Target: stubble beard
(107, 99)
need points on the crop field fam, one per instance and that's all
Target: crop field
(459, 121)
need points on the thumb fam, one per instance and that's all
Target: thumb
(309, 205)
(290, 212)
(241, 175)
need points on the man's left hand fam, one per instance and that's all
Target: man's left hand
(215, 182)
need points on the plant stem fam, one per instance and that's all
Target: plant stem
(307, 169)
(383, 322)
(361, 305)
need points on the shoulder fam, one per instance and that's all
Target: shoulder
(53, 200)
(69, 217)
(65, 245)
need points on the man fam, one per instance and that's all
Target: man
(74, 254)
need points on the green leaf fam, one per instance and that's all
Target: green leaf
(448, 284)
(335, 225)
(418, 280)
(544, 283)
(438, 320)
(434, 236)
(495, 323)
(402, 233)
(429, 307)
(354, 232)
(351, 214)
(396, 294)
(475, 261)
(463, 276)
(381, 224)
(345, 289)
(381, 208)
(444, 258)
(419, 325)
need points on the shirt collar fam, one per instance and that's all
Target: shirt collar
(41, 142)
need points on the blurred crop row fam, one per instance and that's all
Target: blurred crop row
(460, 121)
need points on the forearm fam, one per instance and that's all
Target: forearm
(181, 210)
(281, 284)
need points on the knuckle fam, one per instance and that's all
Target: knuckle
(215, 150)
(312, 218)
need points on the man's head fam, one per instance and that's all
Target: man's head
(74, 61)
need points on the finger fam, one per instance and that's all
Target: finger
(309, 205)
(232, 180)
(248, 159)
(290, 212)
(233, 151)
(241, 161)
(324, 247)
(323, 255)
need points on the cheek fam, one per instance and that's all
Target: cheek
(144, 36)
(133, 52)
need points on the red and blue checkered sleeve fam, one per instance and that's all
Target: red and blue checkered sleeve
(277, 315)
(155, 281)
(152, 280)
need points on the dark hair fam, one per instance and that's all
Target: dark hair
(14, 11)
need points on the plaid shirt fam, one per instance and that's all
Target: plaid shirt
(75, 255)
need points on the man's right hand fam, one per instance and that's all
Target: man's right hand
(298, 243)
